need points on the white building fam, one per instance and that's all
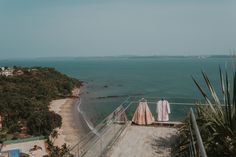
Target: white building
(6, 71)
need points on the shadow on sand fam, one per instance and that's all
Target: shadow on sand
(163, 146)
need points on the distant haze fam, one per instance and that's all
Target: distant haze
(59, 28)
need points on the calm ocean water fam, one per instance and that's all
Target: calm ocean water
(121, 77)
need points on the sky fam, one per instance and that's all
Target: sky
(73, 28)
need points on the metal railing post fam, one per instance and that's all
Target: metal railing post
(198, 135)
(191, 141)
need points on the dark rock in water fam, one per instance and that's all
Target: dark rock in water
(120, 85)
(111, 96)
(106, 86)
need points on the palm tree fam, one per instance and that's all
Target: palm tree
(54, 135)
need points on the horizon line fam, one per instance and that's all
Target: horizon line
(121, 56)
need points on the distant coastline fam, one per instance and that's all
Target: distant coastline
(121, 56)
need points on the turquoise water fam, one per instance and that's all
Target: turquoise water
(120, 77)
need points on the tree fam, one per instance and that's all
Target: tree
(54, 135)
(55, 151)
(43, 123)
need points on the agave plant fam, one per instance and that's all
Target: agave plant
(217, 119)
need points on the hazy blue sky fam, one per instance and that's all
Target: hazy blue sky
(44, 28)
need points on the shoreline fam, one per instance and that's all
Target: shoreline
(73, 125)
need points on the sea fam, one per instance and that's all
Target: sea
(108, 81)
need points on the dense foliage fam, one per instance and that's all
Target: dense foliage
(43, 122)
(216, 120)
(24, 99)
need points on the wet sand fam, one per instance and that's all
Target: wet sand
(73, 125)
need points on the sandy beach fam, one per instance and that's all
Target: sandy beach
(73, 126)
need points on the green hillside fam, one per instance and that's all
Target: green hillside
(24, 100)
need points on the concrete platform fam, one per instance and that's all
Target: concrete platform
(144, 141)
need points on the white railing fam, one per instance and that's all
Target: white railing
(196, 149)
(99, 140)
